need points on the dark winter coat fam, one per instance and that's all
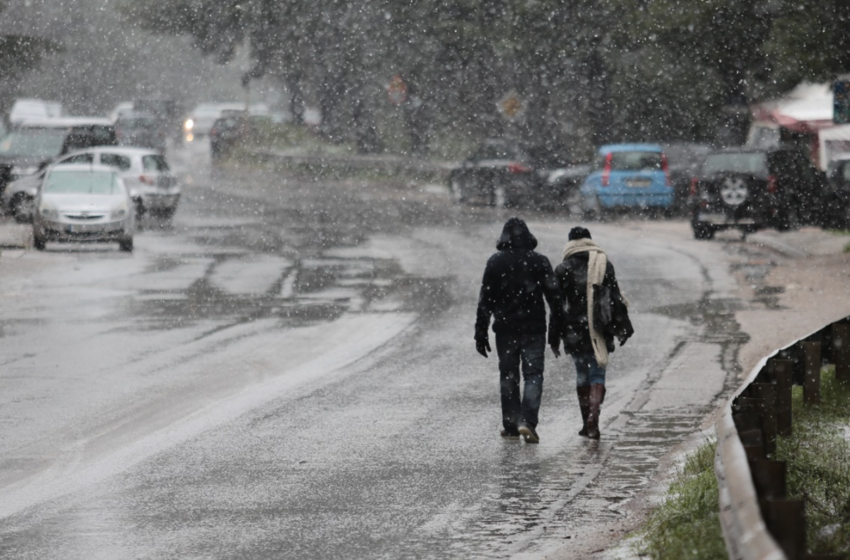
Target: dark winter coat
(574, 330)
(516, 281)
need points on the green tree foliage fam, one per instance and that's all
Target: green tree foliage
(810, 41)
(589, 70)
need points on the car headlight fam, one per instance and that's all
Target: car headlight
(48, 211)
(189, 124)
(119, 213)
(21, 170)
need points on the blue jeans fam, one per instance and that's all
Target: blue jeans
(588, 371)
(514, 349)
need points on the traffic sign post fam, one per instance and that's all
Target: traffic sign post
(511, 106)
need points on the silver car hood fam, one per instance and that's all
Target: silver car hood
(83, 202)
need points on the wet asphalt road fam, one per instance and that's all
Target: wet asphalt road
(288, 371)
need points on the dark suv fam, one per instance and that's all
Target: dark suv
(750, 189)
(30, 146)
(839, 196)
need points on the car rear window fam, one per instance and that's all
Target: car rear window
(81, 182)
(115, 160)
(155, 163)
(632, 161)
(33, 142)
(750, 163)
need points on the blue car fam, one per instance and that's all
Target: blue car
(627, 176)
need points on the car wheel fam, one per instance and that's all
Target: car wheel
(734, 191)
(789, 218)
(126, 244)
(457, 188)
(39, 242)
(21, 207)
(572, 202)
(702, 231)
(592, 209)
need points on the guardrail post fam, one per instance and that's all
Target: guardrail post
(841, 351)
(811, 386)
(769, 478)
(783, 373)
(766, 392)
(786, 522)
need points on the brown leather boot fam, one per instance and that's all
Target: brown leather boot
(584, 405)
(597, 395)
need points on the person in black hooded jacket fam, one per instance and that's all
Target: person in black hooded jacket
(516, 281)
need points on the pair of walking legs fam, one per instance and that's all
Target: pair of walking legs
(520, 415)
(590, 388)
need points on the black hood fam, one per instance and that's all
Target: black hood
(515, 235)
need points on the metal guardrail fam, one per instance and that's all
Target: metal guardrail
(759, 521)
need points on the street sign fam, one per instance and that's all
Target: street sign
(511, 106)
(841, 101)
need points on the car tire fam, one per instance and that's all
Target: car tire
(17, 208)
(457, 188)
(702, 231)
(126, 244)
(572, 202)
(595, 211)
(38, 242)
(789, 219)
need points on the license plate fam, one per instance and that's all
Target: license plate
(638, 183)
(712, 218)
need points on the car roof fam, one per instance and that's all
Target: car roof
(64, 122)
(607, 148)
(83, 167)
(126, 150)
(753, 150)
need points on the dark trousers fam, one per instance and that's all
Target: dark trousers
(527, 349)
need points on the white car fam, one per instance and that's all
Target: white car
(200, 120)
(150, 182)
(83, 203)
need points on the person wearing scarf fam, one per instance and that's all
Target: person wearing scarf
(585, 264)
(516, 281)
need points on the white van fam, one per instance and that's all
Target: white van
(34, 109)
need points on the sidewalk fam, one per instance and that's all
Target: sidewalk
(801, 243)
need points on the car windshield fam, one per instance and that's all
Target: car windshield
(749, 163)
(81, 182)
(33, 142)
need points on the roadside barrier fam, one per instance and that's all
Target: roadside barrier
(759, 520)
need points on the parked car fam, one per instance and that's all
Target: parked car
(142, 130)
(684, 160)
(30, 146)
(83, 203)
(145, 172)
(753, 188)
(505, 167)
(227, 132)
(26, 109)
(564, 186)
(627, 176)
(200, 120)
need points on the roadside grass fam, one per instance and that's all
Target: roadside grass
(686, 525)
(818, 457)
